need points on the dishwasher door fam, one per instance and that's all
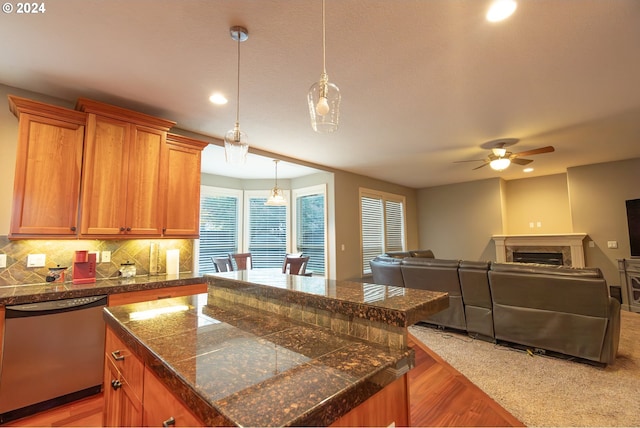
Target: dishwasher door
(53, 354)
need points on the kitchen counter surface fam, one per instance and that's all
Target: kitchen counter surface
(239, 366)
(32, 293)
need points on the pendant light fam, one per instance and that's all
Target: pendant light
(276, 198)
(323, 96)
(236, 143)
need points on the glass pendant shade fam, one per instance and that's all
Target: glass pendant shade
(500, 164)
(324, 105)
(276, 197)
(236, 146)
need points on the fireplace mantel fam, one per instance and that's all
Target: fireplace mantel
(571, 240)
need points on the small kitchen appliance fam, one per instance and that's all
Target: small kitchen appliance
(84, 267)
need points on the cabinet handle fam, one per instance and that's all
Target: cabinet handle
(73, 228)
(116, 384)
(169, 422)
(128, 229)
(164, 229)
(121, 229)
(116, 356)
(164, 297)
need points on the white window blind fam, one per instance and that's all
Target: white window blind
(267, 233)
(219, 213)
(382, 225)
(310, 230)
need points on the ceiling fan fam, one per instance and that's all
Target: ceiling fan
(500, 158)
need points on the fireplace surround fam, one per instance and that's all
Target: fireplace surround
(569, 244)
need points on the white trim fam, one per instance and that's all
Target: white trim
(571, 240)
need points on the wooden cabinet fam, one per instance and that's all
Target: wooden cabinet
(123, 384)
(162, 408)
(121, 185)
(134, 396)
(182, 187)
(155, 294)
(48, 169)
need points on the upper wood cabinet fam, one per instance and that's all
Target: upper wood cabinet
(122, 182)
(48, 167)
(182, 187)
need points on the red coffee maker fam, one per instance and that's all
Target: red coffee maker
(84, 268)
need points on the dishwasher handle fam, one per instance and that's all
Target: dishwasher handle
(116, 355)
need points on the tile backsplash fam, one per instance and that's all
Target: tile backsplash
(60, 253)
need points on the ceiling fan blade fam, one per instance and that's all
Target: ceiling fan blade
(547, 149)
(471, 160)
(478, 167)
(521, 161)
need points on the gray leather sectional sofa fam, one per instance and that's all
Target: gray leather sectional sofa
(553, 308)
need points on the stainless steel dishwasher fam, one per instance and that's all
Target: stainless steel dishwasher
(53, 354)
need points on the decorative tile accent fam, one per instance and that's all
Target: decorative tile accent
(60, 253)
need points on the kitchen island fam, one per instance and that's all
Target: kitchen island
(267, 349)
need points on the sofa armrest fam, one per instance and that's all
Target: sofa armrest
(612, 335)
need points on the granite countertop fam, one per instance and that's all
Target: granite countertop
(32, 293)
(235, 365)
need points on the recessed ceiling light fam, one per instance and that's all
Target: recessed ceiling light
(501, 10)
(528, 169)
(218, 99)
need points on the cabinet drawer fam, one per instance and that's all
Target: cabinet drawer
(128, 365)
(155, 294)
(160, 406)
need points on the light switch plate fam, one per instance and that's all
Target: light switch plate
(612, 244)
(3, 261)
(36, 260)
(106, 256)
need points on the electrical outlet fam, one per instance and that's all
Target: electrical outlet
(106, 256)
(3, 261)
(36, 260)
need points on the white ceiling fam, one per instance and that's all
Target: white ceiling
(424, 83)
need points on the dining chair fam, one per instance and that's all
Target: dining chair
(289, 255)
(243, 260)
(222, 264)
(295, 265)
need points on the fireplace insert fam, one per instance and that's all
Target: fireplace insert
(544, 258)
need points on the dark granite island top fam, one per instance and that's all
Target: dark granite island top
(234, 364)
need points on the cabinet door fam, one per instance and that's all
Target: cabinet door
(182, 191)
(162, 408)
(143, 189)
(112, 405)
(47, 180)
(104, 182)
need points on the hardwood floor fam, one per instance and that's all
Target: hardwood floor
(439, 396)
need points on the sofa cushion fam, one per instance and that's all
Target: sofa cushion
(425, 254)
(386, 271)
(537, 268)
(397, 254)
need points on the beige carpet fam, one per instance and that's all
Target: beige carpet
(546, 391)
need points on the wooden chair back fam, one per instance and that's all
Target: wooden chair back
(295, 265)
(222, 264)
(243, 260)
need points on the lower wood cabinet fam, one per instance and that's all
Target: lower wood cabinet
(162, 408)
(123, 385)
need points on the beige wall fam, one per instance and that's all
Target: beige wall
(597, 194)
(543, 201)
(457, 220)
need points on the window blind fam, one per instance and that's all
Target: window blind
(218, 228)
(310, 230)
(267, 233)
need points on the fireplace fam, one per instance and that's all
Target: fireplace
(568, 244)
(546, 258)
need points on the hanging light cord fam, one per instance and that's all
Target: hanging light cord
(324, 60)
(238, 83)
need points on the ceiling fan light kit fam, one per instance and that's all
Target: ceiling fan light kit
(236, 142)
(500, 158)
(324, 97)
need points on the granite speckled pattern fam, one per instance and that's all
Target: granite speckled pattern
(395, 306)
(32, 293)
(236, 365)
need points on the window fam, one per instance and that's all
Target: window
(266, 230)
(219, 219)
(310, 226)
(382, 225)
